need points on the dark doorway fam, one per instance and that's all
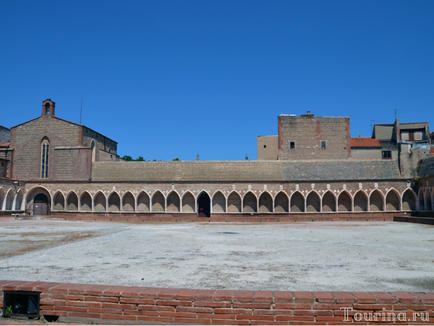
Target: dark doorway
(203, 205)
(40, 205)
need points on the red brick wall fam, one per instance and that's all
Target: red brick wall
(308, 131)
(192, 306)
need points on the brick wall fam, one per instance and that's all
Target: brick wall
(307, 132)
(26, 141)
(104, 303)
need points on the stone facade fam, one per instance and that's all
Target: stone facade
(70, 151)
(308, 137)
(83, 175)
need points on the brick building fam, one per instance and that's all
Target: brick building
(60, 167)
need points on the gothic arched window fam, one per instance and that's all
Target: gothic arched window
(45, 149)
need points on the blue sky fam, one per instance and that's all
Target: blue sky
(170, 79)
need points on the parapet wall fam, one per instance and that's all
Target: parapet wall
(191, 306)
(228, 217)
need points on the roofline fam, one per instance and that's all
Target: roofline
(77, 124)
(4, 127)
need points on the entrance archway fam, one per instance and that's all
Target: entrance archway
(203, 205)
(40, 205)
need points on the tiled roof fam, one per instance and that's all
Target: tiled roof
(5, 145)
(245, 171)
(365, 142)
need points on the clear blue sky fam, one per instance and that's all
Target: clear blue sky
(170, 79)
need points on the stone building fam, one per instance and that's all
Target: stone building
(64, 168)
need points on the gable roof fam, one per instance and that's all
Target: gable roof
(67, 121)
(365, 142)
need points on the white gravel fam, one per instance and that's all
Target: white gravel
(386, 256)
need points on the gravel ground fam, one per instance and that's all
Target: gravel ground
(322, 256)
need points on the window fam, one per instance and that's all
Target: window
(292, 145)
(47, 108)
(387, 155)
(45, 149)
(265, 146)
(323, 144)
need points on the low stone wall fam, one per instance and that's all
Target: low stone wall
(226, 217)
(91, 303)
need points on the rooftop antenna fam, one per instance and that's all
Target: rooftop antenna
(397, 111)
(81, 107)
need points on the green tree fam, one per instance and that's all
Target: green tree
(127, 158)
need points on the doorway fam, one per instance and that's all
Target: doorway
(40, 205)
(203, 205)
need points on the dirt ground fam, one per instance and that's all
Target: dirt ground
(350, 256)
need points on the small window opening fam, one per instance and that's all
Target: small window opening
(323, 144)
(44, 158)
(292, 145)
(47, 108)
(265, 146)
(21, 303)
(387, 155)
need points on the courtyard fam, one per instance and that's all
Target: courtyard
(321, 256)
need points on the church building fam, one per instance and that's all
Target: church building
(308, 171)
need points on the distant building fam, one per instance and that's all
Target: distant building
(310, 137)
(5, 135)
(267, 148)
(366, 148)
(52, 165)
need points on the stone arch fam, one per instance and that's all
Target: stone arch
(409, 200)
(58, 201)
(2, 198)
(158, 202)
(313, 202)
(9, 202)
(114, 202)
(234, 202)
(360, 201)
(188, 203)
(42, 197)
(128, 202)
(329, 202)
(85, 202)
(265, 203)
(393, 200)
(71, 201)
(173, 202)
(19, 200)
(344, 202)
(143, 202)
(99, 202)
(218, 203)
(428, 202)
(376, 201)
(297, 202)
(281, 203)
(250, 203)
(204, 204)
(421, 200)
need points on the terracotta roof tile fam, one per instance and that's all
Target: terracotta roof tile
(4, 145)
(365, 142)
